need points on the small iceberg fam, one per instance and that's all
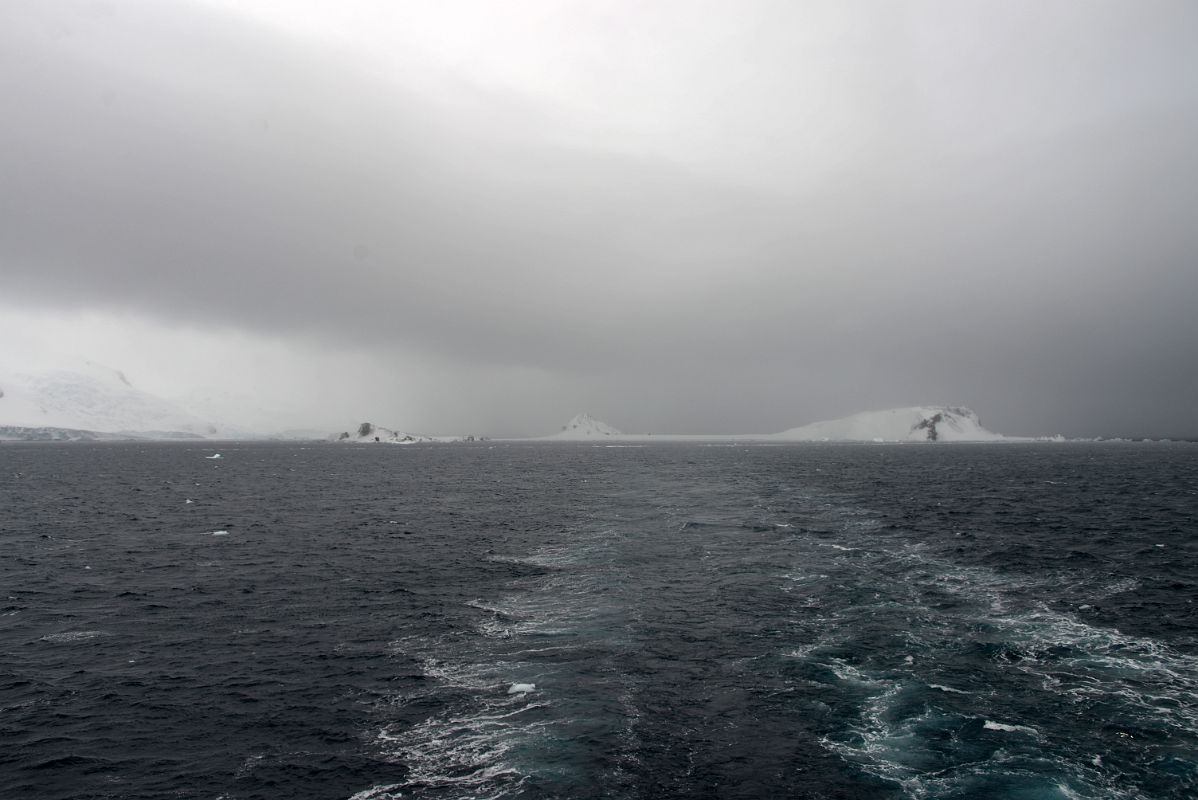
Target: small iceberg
(522, 688)
(990, 725)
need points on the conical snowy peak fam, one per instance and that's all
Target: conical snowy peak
(584, 426)
(915, 424)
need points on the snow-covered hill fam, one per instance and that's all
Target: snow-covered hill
(369, 433)
(85, 396)
(915, 424)
(583, 427)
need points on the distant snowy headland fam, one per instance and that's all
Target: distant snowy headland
(913, 424)
(584, 426)
(369, 433)
(84, 401)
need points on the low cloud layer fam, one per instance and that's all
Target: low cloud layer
(1015, 234)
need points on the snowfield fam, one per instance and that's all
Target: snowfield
(914, 424)
(89, 397)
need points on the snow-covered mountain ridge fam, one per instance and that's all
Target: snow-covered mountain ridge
(913, 424)
(89, 397)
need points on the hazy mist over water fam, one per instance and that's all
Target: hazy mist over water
(681, 217)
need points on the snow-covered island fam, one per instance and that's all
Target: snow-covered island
(369, 433)
(912, 424)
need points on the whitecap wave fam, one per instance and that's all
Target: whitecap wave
(72, 636)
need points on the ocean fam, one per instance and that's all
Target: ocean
(521, 620)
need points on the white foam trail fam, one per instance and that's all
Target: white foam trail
(847, 672)
(457, 675)
(71, 636)
(485, 742)
(991, 725)
(481, 606)
(1126, 679)
(471, 752)
(382, 792)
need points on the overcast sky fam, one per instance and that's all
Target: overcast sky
(681, 216)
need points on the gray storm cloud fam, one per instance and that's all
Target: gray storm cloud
(1017, 235)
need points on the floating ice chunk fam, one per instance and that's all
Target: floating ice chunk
(214, 455)
(990, 725)
(522, 688)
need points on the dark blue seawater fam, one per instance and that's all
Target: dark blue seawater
(921, 621)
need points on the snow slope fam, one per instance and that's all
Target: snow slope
(18, 433)
(914, 424)
(90, 397)
(584, 427)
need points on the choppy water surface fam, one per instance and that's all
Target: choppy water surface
(801, 621)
